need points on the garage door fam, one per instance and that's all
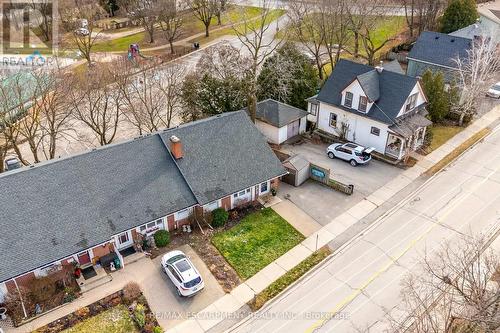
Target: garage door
(293, 129)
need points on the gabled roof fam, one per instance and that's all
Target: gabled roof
(369, 82)
(394, 66)
(57, 208)
(278, 114)
(394, 89)
(440, 49)
(224, 155)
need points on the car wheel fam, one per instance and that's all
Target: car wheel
(331, 155)
(353, 163)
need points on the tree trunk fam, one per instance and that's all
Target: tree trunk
(207, 33)
(461, 119)
(172, 51)
(219, 21)
(356, 44)
(320, 68)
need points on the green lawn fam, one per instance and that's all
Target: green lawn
(259, 239)
(441, 134)
(190, 27)
(115, 320)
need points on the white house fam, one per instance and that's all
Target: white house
(278, 121)
(373, 107)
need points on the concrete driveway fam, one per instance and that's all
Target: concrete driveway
(322, 203)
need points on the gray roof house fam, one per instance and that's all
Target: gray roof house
(437, 52)
(373, 107)
(279, 121)
(59, 208)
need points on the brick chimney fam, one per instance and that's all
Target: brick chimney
(176, 147)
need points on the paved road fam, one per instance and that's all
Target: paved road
(364, 278)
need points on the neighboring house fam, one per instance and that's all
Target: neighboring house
(373, 107)
(278, 121)
(80, 208)
(437, 52)
(480, 30)
(489, 18)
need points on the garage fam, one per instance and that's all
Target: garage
(279, 122)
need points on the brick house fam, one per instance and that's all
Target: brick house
(82, 207)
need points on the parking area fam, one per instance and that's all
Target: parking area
(322, 203)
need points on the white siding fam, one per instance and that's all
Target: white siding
(273, 134)
(357, 91)
(302, 127)
(283, 134)
(359, 127)
(420, 98)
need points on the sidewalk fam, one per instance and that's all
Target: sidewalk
(245, 292)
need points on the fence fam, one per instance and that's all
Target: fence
(322, 175)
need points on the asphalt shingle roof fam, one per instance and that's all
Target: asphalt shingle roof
(370, 83)
(278, 114)
(440, 49)
(394, 89)
(61, 207)
(224, 156)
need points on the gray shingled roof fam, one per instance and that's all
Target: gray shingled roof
(440, 49)
(406, 127)
(224, 156)
(394, 89)
(394, 66)
(370, 83)
(59, 208)
(62, 207)
(278, 114)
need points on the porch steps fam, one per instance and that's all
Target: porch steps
(97, 281)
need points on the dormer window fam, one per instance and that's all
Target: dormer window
(348, 99)
(411, 102)
(363, 102)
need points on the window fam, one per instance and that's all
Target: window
(182, 214)
(123, 238)
(411, 102)
(174, 273)
(363, 102)
(264, 187)
(375, 131)
(151, 226)
(211, 206)
(314, 109)
(333, 120)
(348, 99)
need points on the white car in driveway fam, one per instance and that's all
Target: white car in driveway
(181, 271)
(351, 152)
(494, 91)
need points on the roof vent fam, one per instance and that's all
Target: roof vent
(176, 147)
(436, 38)
(453, 41)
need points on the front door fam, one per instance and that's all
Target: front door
(293, 129)
(124, 240)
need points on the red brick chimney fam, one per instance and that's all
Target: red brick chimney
(176, 147)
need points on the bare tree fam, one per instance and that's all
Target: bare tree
(221, 7)
(456, 289)
(145, 12)
(422, 14)
(97, 103)
(170, 82)
(335, 24)
(259, 41)
(204, 10)
(43, 16)
(79, 19)
(474, 71)
(170, 22)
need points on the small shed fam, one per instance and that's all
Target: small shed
(298, 170)
(279, 121)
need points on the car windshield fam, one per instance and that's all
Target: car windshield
(496, 87)
(192, 283)
(183, 265)
(176, 258)
(13, 164)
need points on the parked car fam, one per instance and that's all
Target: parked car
(12, 163)
(351, 152)
(181, 271)
(494, 91)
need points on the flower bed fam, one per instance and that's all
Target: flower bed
(130, 296)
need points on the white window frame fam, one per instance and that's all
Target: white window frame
(314, 109)
(377, 130)
(350, 99)
(152, 226)
(411, 103)
(267, 186)
(120, 238)
(330, 120)
(363, 98)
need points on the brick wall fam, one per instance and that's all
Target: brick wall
(100, 251)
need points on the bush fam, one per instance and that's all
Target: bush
(157, 329)
(140, 315)
(219, 217)
(162, 238)
(131, 291)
